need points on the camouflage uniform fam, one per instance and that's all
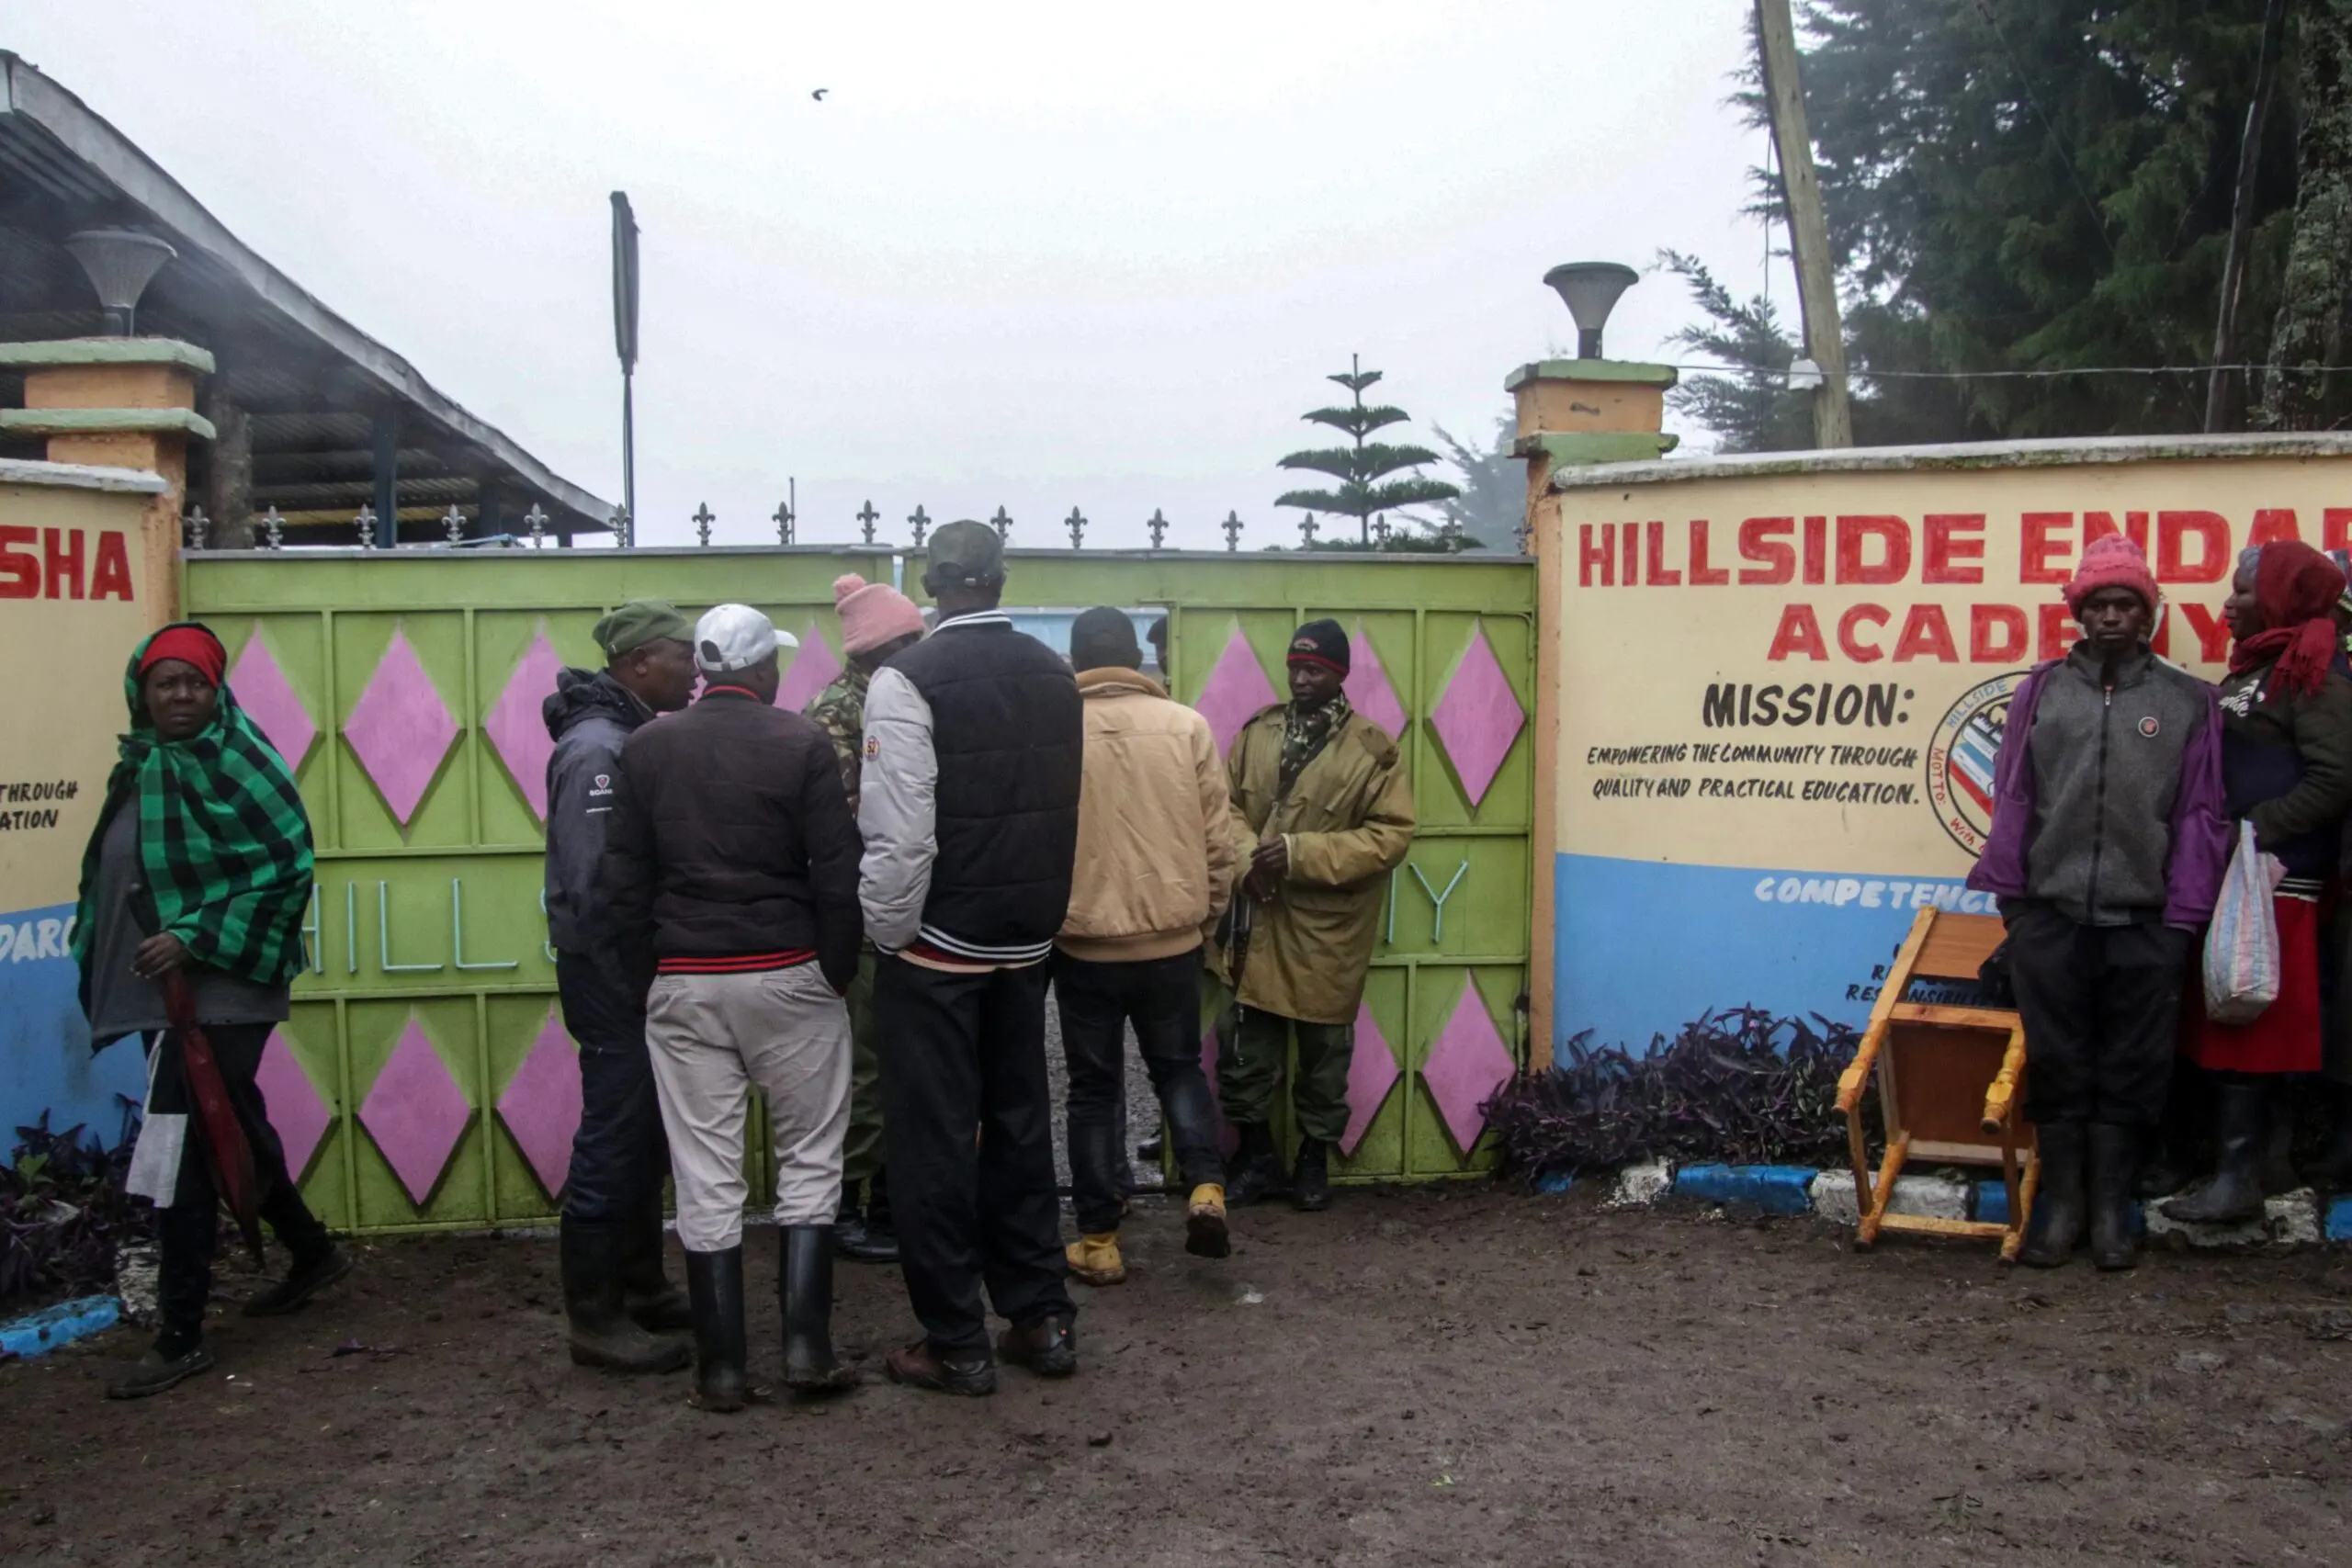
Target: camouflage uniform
(840, 711)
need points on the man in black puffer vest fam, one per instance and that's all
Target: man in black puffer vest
(975, 746)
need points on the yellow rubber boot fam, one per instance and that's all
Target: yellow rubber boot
(1095, 1259)
(1204, 1232)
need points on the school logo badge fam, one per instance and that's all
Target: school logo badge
(603, 780)
(1959, 760)
(2148, 726)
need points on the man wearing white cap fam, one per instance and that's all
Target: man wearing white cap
(731, 871)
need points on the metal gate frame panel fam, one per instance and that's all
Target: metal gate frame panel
(427, 936)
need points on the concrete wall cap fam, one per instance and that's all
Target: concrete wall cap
(104, 422)
(2107, 449)
(106, 351)
(1592, 371)
(80, 476)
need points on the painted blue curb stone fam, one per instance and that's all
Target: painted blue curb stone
(2339, 1223)
(1775, 1189)
(38, 1333)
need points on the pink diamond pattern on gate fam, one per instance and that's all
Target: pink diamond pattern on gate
(400, 728)
(415, 1112)
(297, 1114)
(261, 689)
(814, 668)
(518, 728)
(1467, 1062)
(1227, 1140)
(541, 1105)
(1368, 689)
(1371, 1073)
(1478, 718)
(1235, 692)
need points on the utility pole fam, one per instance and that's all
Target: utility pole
(1825, 338)
(2221, 403)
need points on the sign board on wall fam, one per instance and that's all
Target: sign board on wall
(71, 582)
(1782, 684)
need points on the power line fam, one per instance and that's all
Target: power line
(1852, 373)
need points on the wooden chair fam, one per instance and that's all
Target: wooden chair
(1948, 1081)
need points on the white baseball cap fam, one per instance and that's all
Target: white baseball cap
(736, 637)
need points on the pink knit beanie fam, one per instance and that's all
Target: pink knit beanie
(872, 612)
(2111, 561)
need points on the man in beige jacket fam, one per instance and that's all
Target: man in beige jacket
(1155, 866)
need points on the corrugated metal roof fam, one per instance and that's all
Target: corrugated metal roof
(310, 375)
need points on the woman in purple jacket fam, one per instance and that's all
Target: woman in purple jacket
(2106, 851)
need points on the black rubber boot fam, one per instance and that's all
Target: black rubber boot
(1310, 1184)
(659, 1306)
(165, 1365)
(2331, 1172)
(715, 1285)
(2170, 1160)
(2115, 1158)
(601, 1335)
(1256, 1173)
(863, 1236)
(2241, 1139)
(2055, 1227)
(308, 1276)
(804, 1279)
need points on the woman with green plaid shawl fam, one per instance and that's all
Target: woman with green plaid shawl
(200, 864)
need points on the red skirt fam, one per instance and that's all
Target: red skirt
(2286, 1038)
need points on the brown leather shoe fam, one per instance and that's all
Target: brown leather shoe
(1048, 1346)
(916, 1366)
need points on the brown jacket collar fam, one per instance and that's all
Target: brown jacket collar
(1116, 680)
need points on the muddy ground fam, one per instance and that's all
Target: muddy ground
(1435, 1376)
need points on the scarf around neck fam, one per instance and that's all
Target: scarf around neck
(225, 843)
(1304, 736)
(2296, 588)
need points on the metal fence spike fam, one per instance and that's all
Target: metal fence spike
(453, 523)
(273, 528)
(535, 520)
(1232, 527)
(1004, 520)
(1158, 526)
(198, 527)
(919, 523)
(783, 520)
(1076, 524)
(704, 517)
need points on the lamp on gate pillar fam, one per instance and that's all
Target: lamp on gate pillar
(118, 401)
(1588, 408)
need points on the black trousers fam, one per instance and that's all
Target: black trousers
(964, 1064)
(188, 1231)
(619, 1155)
(2101, 1006)
(1161, 997)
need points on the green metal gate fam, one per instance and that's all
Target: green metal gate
(424, 1080)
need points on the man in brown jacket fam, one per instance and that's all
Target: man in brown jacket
(1325, 798)
(1155, 868)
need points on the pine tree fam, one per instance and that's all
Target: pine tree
(2315, 295)
(1361, 469)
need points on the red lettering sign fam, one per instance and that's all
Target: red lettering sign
(1756, 543)
(1799, 632)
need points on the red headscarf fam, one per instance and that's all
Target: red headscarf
(190, 644)
(2296, 588)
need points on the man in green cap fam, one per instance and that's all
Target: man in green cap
(621, 1305)
(1327, 806)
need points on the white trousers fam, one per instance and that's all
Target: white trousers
(714, 1036)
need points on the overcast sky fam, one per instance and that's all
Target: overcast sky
(1030, 255)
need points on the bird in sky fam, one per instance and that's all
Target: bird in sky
(820, 94)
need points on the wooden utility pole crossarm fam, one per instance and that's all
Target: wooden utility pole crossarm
(1825, 338)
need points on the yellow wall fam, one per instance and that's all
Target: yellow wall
(1918, 597)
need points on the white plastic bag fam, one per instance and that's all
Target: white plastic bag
(2242, 944)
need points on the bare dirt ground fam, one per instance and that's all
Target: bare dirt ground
(1454, 1376)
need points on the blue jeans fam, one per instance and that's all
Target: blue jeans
(619, 1155)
